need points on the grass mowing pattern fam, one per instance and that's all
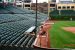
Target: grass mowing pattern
(60, 38)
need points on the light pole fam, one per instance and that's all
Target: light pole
(36, 20)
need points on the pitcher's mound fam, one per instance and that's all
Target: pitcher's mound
(70, 29)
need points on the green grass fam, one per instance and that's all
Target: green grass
(60, 38)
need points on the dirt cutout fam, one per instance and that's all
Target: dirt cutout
(70, 29)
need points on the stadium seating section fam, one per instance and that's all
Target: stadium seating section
(13, 24)
(64, 14)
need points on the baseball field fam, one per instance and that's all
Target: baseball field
(62, 34)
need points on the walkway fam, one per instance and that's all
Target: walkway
(43, 41)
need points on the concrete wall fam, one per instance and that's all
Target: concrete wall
(22, 4)
(66, 5)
